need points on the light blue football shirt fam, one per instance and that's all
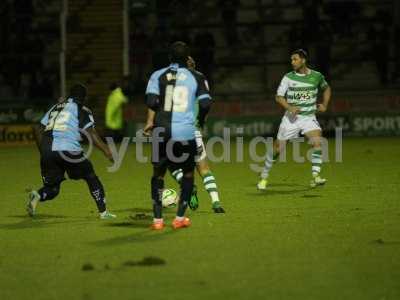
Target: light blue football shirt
(178, 89)
(65, 121)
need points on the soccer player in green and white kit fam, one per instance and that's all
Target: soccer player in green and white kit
(297, 94)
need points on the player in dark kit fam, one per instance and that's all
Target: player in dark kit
(59, 138)
(180, 98)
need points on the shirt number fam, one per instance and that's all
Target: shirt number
(176, 98)
(58, 121)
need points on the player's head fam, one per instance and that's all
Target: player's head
(113, 86)
(78, 92)
(122, 83)
(179, 53)
(299, 59)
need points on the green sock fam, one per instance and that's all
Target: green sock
(177, 174)
(316, 162)
(211, 186)
(269, 161)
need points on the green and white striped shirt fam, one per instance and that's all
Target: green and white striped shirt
(301, 90)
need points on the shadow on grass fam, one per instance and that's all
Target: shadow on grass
(134, 210)
(141, 237)
(27, 224)
(138, 220)
(272, 191)
(38, 221)
(147, 213)
(129, 224)
(253, 185)
(382, 242)
(38, 217)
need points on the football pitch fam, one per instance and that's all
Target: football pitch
(340, 241)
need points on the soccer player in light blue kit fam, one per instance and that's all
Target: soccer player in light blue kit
(202, 165)
(173, 93)
(59, 138)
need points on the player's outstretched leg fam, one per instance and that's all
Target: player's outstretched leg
(33, 200)
(47, 192)
(186, 191)
(316, 158)
(157, 186)
(97, 191)
(177, 175)
(269, 161)
(194, 200)
(210, 184)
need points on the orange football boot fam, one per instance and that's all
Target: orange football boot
(176, 224)
(157, 226)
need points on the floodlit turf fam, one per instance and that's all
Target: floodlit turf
(341, 241)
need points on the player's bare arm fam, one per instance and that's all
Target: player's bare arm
(38, 133)
(283, 102)
(99, 143)
(149, 122)
(326, 97)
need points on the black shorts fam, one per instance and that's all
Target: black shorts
(175, 155)
(54, 164)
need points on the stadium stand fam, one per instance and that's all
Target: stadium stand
(241, 45)
(29, 51)
(94, 51)
(249, 53)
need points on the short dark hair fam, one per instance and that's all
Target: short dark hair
(78, 92)
(301, 52)
(179, 52)
(113, 86)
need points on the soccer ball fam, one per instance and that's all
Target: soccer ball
(169, 198)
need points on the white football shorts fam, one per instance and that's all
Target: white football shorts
(291, 127)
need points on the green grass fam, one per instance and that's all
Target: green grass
(341, 241)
